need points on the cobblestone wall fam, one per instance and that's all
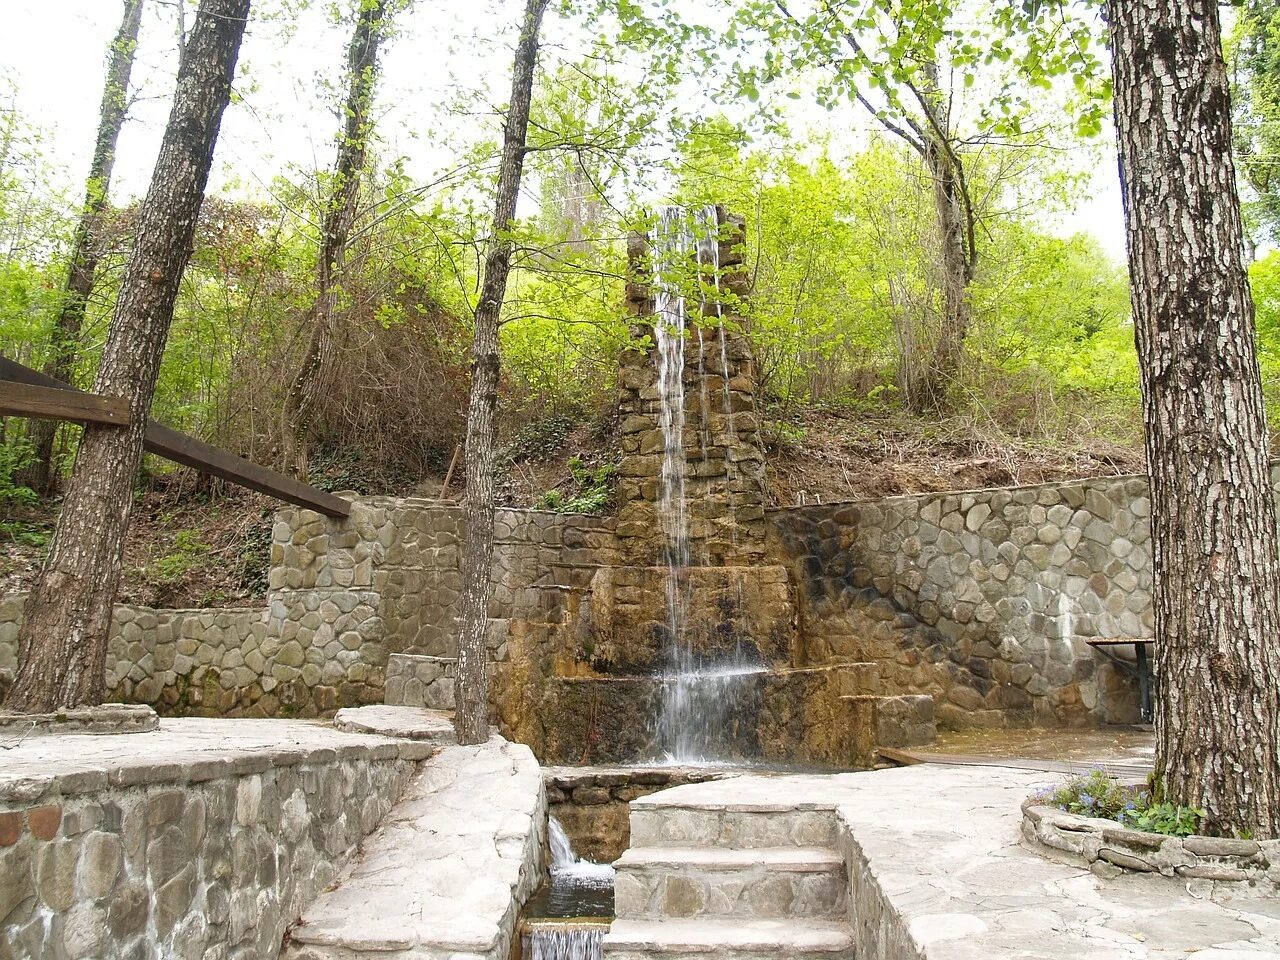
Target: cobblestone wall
(194, 860)
(343, 595)
(983, 599)
(188, 661)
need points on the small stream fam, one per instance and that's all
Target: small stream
(569, 915)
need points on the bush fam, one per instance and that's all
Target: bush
(1102, 796)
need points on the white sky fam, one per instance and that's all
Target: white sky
(52, 53)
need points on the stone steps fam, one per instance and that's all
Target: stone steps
(763, 883)
(704, 939)
(729, 882)
(736, 828)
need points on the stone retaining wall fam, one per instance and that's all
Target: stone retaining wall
(984, 599)
(1246, 868)
(178, 661)
(202, 856)
(343, 596)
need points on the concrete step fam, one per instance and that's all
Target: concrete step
(762, 883)
(734, 939)
(740, 828)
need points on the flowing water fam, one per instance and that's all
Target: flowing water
(557, 925)
(699, 699)
(564, 941)
(567, 868)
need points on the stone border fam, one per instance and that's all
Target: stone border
(107, 718)
(25, 788)
(1109, 850)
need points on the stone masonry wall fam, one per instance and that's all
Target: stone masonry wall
(343, 595)
(202, 860)
(724, 458)
(188, 661)
(982, 599)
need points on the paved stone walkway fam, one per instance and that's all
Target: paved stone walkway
(443, 876)
(937, 871)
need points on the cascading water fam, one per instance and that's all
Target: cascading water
(566, 867)
(578, 890)
(698, 696)
(565, 941)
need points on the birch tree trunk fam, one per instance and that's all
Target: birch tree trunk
(1216, 577)
(339, 215)
(471, 721)
(63, 642)
(64, 338)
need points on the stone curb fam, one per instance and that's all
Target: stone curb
(1251, 868)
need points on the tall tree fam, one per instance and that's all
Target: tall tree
(905, 63)
(1215, 569)
(471, 720)
(63, 642)
(314, 372)
(64, 338)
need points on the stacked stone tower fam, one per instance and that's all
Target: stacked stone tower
(724, 460)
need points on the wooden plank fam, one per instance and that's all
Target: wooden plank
(187, 450)
(52, 403)
(1118, 768)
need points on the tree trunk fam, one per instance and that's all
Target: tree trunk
(957, 274)
(340, 211)
(1213, 525)
(63, 642)
(64, 338)
(472, 717)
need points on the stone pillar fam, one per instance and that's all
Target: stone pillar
(724, 458)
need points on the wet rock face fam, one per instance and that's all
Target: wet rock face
(723, 453)
(984, 600)
(742, 614)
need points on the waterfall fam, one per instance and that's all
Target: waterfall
(566, 868)
(564, 941)
(698, 699)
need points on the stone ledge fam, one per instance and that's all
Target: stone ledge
(105, 719)
(407, 723)
(182, 751)
(1249, 868)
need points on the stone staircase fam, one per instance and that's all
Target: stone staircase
(706, 882)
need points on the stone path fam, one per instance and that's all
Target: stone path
(934, 868)
(443, 876)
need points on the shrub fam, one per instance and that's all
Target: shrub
(1099, 795)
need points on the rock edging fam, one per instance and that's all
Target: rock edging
(1251, 868)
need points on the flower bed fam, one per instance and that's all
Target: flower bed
(1108, 849)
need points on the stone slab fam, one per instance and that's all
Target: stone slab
(180, 750)
(444, 876)
(770, 938)
(106, 719)
(939, 873)
(408, 723)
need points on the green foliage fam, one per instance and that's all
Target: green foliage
(1102, 796)
(14, 456)
(1253, 50)
(593, 493)
(1094, 795)
(1166, 818)
(171, 567)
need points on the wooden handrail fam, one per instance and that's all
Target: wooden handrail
(53, 403)
(187, 450)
